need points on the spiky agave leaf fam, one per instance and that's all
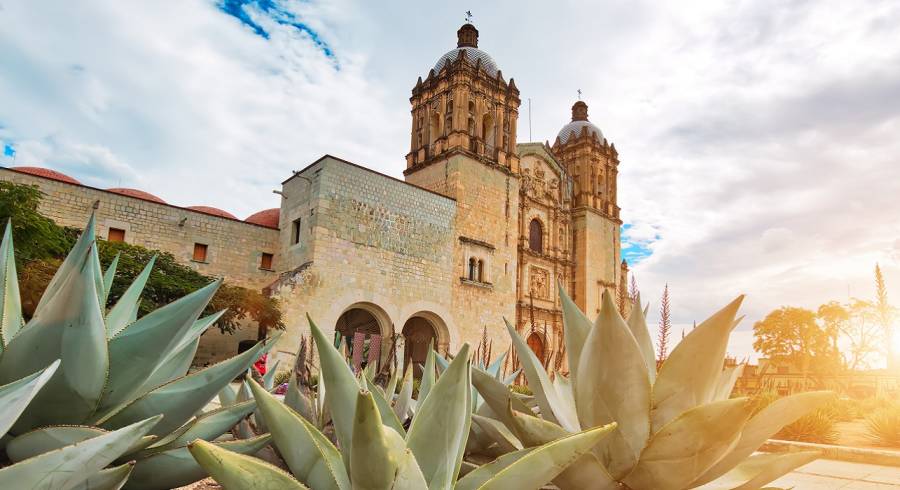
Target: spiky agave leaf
(120, 315)
(760, 469)
(46, 439)
(637, 324)
(73, 261)
(309, 454)
(73, 464)
(375, 456)
(68, 326)
(437, 436)
(15, 396)
(576, 327)
(182, 398)
(342, 388)
(142, 347)
(177, 467)
(109, 277)
(552, 407)
(388, 417)
(10, 301)
(241, 472)
(497, 396)
(401, 404)
(428, 374)
(685, 448)
(690, 374)
(109, 479)
(538, 466)
(207, 426)
(614, 358)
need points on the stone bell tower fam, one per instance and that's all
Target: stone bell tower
(593, 164)
(463, 145)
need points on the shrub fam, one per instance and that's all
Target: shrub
(884, 426)
(521, 389)
(842, 409)
(816, 427)
(282, 377)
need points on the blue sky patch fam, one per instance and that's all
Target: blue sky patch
(634, 251)
(274, 10)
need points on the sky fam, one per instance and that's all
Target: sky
(758, 140)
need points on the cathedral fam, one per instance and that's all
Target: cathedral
(481, 228)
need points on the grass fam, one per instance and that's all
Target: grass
(816, 427)
(884, 426)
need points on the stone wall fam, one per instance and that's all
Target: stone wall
(367, 241)
(234, 247)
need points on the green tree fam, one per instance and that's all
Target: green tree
(793, 335)
(36, 236)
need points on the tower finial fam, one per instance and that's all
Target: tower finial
(467, 35)
(468, 16)
(579, 94)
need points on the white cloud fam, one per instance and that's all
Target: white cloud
(758, 140)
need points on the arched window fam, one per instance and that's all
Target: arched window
(434, 129)
(473, 269)
(535, 236)
(487, 130)
(472, 126)
(471, 107)
(480, 271)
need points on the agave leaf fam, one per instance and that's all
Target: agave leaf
(618, 391)
(764, 425)
(236, 471)
(552, 408)
(269, 377)
(182, 398)
(108, 278)
(441, 363)
(309, 454)
(73, 464)
(437, 436)
(15, 396)
(108, 479)
(428, 375)
(142, 347)
(637, 324)
(69, 327)
(177, 363)
(227, 396)
(98, 278)
(176, 467)
(46, 439)
(690, 375)
(726, 382)
(497, 396)
(409, 475)
(477, 477)
(10, 301)
(542, 464)
(586, 472)
(564, 390)
(401, 405)
(575, 329)
(300, 401)
(127, 307)
(688, 446)
(342, 388)
(388, 417)
(208, 426)
(759, 469)
(494, 368)
(73, 262)
(391, 387)
(374, 458)
(499, 433)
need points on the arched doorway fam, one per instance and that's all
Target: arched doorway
(418, 334)
(361, 331)
(536, 344)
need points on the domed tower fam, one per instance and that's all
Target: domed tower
(463, 146)
(593, 164)
(464, 106)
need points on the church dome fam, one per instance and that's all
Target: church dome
(579, 122)
(467, 42)
(266, 217)
(125, 191)
(47, 174)
(212, 211)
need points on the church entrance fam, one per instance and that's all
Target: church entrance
(536, 343)
(418, 333)
(360, 331)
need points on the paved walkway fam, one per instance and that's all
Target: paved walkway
(827, 474)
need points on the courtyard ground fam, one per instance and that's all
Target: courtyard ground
(828, 474)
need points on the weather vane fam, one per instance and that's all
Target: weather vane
(468, 16)
(579, 94)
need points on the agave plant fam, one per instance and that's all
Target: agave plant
(376, 451)
(109, 371)
(677, 428)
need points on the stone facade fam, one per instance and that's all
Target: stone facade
(481, 229)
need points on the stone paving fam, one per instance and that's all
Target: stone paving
(828, 474)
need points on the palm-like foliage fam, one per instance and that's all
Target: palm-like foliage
(109, 378)
(677, 428)
(376, 451)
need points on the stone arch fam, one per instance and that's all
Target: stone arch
(418, 329)
(537, 345)
(488, 132)
(368, 319)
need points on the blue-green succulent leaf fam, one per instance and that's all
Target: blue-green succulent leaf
(108, 277)
(127, 307)
(236, 471)
(15, 396)
(10, 301)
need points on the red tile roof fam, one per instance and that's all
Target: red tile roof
(266, 217)
(213, 211)
(46, 173)
(136, 193)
